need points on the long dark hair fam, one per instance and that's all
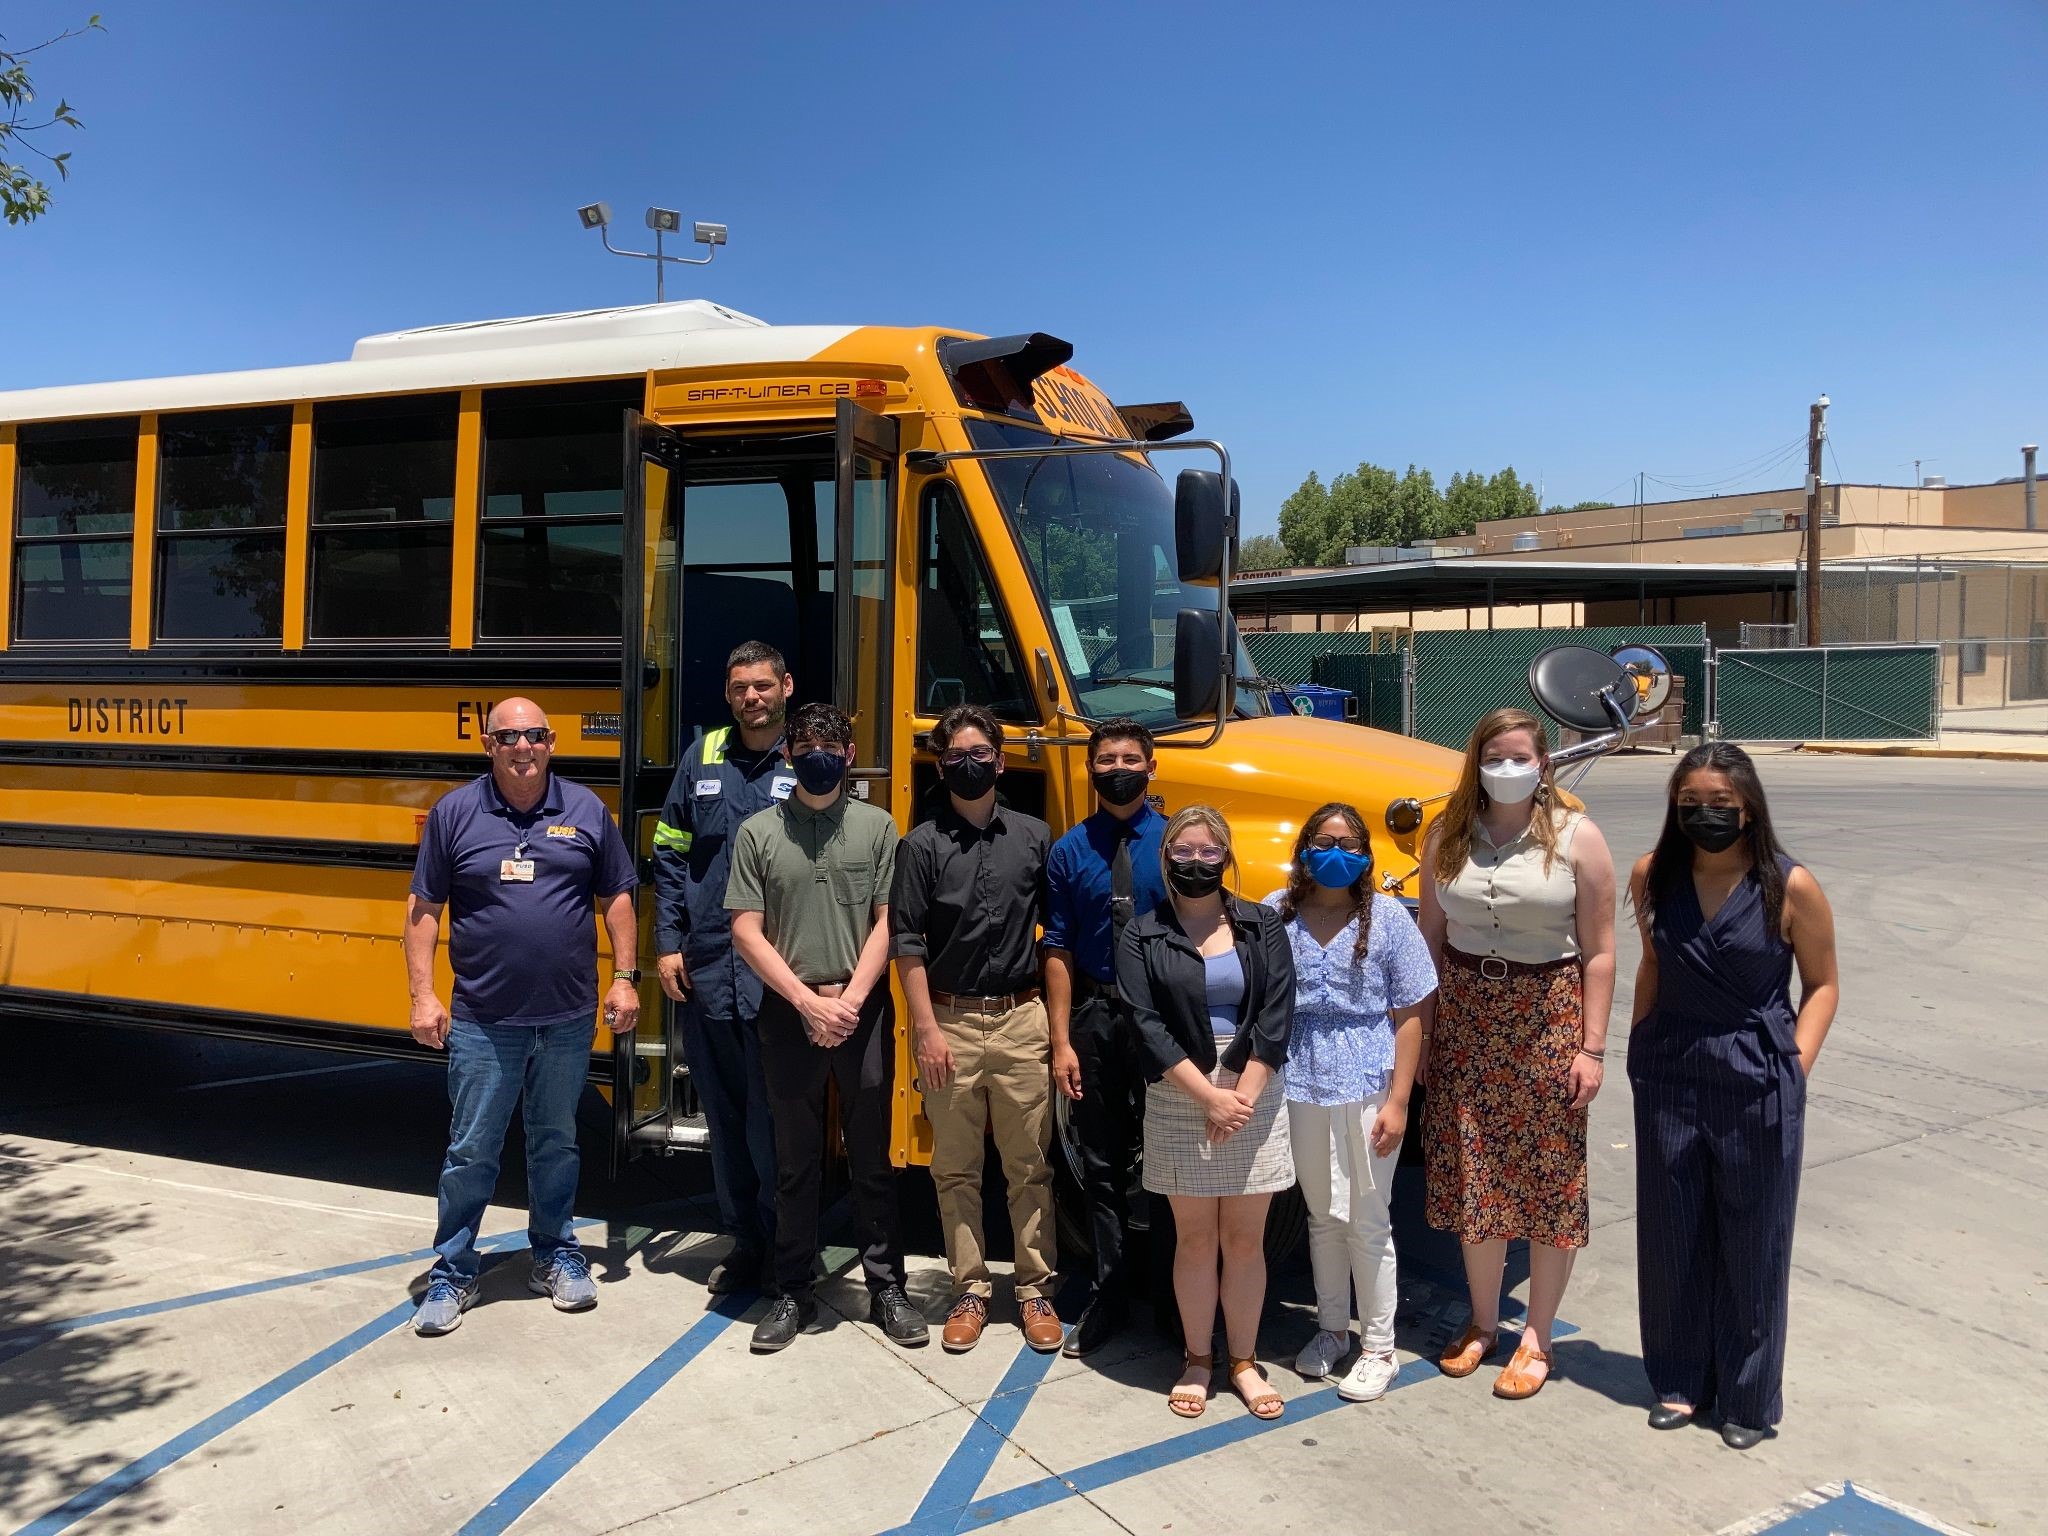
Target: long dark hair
(1299, 879)
(1671, 860)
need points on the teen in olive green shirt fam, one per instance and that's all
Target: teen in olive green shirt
(809, 894)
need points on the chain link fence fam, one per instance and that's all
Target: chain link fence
(1988, 617)
(1379, 680)
(1829, 693)
(1461, 674)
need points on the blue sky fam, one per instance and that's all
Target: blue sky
(1584, 240)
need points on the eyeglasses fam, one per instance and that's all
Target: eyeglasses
(1208, 853)
(537, 735)
(1322, 842)
(959, 755)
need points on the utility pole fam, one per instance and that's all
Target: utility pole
(1816, 434)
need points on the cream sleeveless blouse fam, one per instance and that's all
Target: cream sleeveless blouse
(1504, 903)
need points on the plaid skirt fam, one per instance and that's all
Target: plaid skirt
(1181, 1160)
(1504, 1153)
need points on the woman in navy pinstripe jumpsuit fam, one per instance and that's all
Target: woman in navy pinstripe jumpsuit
(1718, 1059)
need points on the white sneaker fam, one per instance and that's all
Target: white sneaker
(1369, 1378)
(1321, 1354)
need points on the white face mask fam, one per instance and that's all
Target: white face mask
(1509, 783)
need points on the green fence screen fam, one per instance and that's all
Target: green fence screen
(1290, 656)
(1854, 693)
(1460, 674)
(1376, 680)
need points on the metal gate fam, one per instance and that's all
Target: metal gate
(1830, 693)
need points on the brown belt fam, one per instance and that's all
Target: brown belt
(1001, 1004)
(1497, 967)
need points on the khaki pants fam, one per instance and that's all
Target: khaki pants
(1002, 1081)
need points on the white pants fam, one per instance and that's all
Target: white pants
(1350, 1237)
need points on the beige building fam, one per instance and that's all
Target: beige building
(1953, 564)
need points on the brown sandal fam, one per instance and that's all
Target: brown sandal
(1268, 1404)
(1181, 1399)
(1515, 1382)
(1468, 1351)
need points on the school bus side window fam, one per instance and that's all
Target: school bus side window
(964, 651)
(220, 524)
(383, 530)
(74, 530)
(554, 502)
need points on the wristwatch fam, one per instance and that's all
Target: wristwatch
(623, 975)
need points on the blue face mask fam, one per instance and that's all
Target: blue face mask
(1335, 869)
(820, 771)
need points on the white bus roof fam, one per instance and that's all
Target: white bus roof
(585, 344)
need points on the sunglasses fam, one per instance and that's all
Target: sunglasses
(537, 735)
(959, 755)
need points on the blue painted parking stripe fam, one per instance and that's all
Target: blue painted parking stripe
(1849, 1513)
(19, 1341)
(986, 1433)
(143, 1468)
(1171, 1451)
(526, 1489)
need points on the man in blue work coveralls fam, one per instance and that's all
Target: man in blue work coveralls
(726, 776)
(518, 859)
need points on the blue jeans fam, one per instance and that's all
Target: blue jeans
(724, 1056)
(491, 1069)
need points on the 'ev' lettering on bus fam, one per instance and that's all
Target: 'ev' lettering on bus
(470, 716)
(102, 716)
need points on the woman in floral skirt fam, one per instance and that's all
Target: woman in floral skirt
(1518, 911)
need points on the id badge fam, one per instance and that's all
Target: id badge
(520, 870)
(709, 787)
(780, 786)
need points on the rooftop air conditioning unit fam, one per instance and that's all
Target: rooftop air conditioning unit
(1528, 539)
(1928, 482)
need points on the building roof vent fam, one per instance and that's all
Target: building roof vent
(1934, 482)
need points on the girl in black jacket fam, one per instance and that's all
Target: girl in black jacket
(1209, 981)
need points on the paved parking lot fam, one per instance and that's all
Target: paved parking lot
(208, 1250)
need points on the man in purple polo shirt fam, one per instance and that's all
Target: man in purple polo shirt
(519, 857)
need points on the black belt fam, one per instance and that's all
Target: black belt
(998, 1004)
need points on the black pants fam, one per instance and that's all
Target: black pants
(796, 1071)
(1110, 1121)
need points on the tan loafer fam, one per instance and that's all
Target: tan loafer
(1467, 1352)
(964, 1324)
(1043, 1330)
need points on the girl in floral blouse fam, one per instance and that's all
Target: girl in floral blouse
(1362, 973)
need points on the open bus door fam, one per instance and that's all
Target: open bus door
(867, 447)
(647, 1063)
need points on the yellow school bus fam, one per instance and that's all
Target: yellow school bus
(251, 624)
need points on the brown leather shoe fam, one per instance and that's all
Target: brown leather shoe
(964, 1324)
(1467, 1352)
(1043, 1330)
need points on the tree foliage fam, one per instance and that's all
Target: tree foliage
(24, 195)
(1262, 552)
(1371, 505)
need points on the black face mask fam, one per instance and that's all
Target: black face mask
(1120, 786)
(968, 779)
(1711, 827)
(1191, 877)
(819, 772)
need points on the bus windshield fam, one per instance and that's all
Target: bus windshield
(1097, 532)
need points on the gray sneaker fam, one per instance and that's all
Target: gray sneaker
(564, 1278)
(440, 1310)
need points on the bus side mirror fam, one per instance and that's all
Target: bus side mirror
(1198, 675)
(1202, 522)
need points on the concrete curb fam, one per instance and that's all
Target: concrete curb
(1989, 753)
